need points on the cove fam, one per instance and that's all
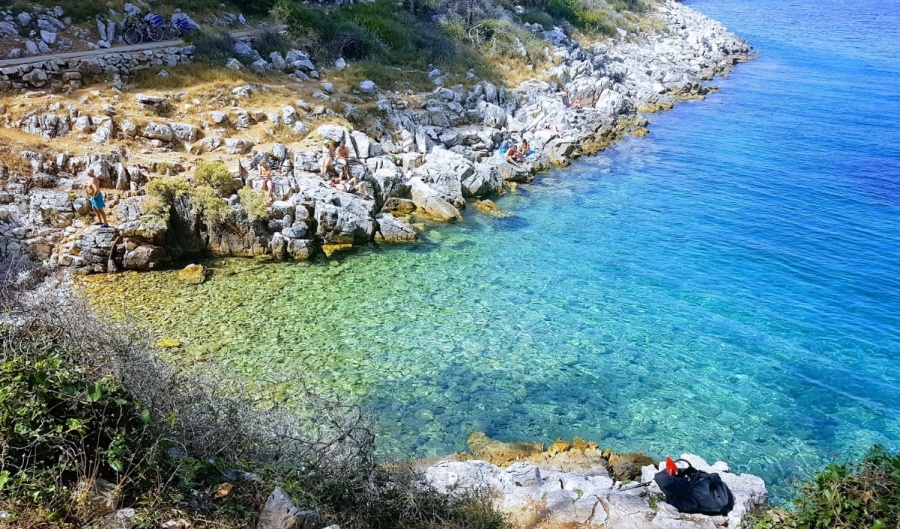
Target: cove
(727, 285)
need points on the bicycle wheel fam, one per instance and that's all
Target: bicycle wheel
(154, 33)
(133, 35)
(169, 32)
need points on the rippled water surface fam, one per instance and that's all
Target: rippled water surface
(728, 285)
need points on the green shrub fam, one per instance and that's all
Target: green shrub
(271, 41)
(597, 22)
(52, 414)
(216, 175)
(162, 192)
(213, 49)
(865, 494)
(210, 205)
(374, 32)
(254, 203)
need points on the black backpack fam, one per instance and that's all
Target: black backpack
(694, 491)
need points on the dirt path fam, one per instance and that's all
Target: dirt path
(126, 49)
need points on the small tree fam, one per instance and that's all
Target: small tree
(217, 176)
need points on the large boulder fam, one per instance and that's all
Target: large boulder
(341, 218)
(159, 131)
(135, 223)
(444, 171)
(144, 257)
(429, 202)
(192, 274)
(484, 181)
(185, 131)
(151, 102)
(392, 229)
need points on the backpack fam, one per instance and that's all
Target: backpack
(693, 491)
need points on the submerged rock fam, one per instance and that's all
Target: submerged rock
(192, 274)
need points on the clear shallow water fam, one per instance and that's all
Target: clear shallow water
(728, 285)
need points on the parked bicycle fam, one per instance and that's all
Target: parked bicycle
(177, 28)
(148, 28)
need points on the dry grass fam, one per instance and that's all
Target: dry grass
(12, 143)
(190, 76)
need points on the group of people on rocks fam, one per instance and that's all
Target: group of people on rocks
(516, 154)
(333, 154)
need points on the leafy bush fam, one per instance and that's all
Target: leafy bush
(210, 205)
(212, 49)
(162, 193)
(865, 494)
(270, 41)
(254, 203)
(63, 430)
(376, 32)
(216, 175)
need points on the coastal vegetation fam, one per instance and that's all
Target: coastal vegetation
(860, 494)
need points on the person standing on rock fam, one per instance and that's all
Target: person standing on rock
(95, 195)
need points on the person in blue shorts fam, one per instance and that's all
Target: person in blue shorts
(96, 196)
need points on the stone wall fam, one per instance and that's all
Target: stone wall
(59, 74)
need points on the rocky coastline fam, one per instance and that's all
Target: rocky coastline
(427, 158)
(424, 161)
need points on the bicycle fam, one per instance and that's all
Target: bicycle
(176, 29)
(150, 27)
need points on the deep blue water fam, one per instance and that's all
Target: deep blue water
(728, 285)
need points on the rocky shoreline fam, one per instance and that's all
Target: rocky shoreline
(579, 485)
(424, 161)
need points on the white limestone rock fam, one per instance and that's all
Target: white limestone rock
(430, 202)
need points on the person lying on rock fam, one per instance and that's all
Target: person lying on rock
(327, 161)
(512, 156)
(265, 176)
(95, 195)
(352, 185)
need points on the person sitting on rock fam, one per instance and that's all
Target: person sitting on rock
(512, 156)
(524, 149)
(95, 195)
(343, 155)
(265, 176)
(327, 161)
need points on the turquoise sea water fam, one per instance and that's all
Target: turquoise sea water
(728, 285)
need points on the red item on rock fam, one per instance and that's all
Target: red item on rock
(671, 467)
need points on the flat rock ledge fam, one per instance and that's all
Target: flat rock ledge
(537, 497)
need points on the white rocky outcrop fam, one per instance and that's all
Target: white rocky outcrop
(534, 495)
